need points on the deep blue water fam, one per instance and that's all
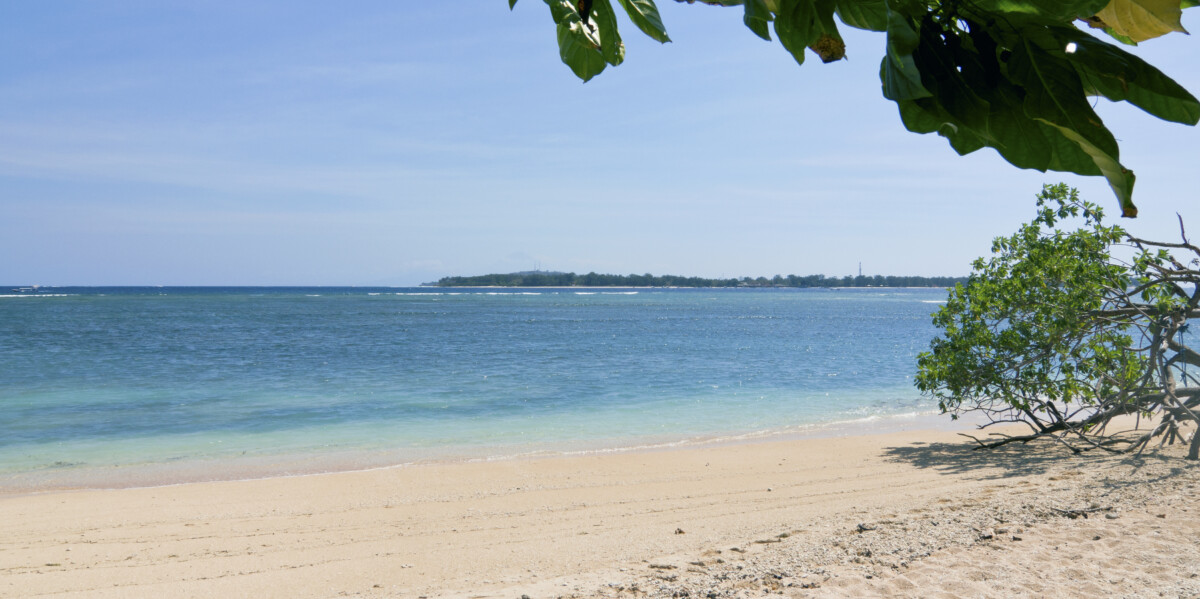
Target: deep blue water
(100, 384)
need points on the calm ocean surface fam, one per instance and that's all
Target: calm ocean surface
(130, 386)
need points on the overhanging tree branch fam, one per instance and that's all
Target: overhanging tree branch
(1017, 77)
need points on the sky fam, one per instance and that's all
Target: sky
(394, 143)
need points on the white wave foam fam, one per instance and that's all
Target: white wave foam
(38, 295)
(933, 301)
(585, 293)
(618, 293)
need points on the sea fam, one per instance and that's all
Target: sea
(106, 387)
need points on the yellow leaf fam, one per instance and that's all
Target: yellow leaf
(1141, 20)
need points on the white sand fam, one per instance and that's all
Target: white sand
(657, 524)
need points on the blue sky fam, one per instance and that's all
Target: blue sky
(392, 143)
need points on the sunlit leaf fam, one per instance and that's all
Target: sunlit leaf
(1120, 179)
(1140, 20)
(1066, 155)
(605, 20)
(578, 45)
(644, 15)
(579, 51)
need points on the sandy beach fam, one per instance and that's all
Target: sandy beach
(909, 514)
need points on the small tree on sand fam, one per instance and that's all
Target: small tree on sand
(1063, 331)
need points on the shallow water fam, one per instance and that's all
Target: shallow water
(116, 386)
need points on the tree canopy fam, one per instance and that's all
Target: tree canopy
(1012, 75)
(1060, 332)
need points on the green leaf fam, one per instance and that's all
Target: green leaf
(926, 116)
(920, 116)
(1054, 92)
(1062, 11)
(825, 11)
(871, 15)
(1066, 155)
(970, 69)
(561, 10)
(1124, 39)
(756, 18)
(1121, 76)
(797, 27)
(1141, 20)
(578, 45)
(901, 79)
(610, 40)
(579, 51)
(1033, 111)
(809, 24)
(644, 15)
(1018, 139)
(942, 73)
(1120, 179)
(511, 4)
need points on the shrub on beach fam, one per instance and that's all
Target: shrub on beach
(1065, 330)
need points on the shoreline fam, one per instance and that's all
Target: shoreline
(289, 465)
(779, 515)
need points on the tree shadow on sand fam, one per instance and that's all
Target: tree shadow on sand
(1038, 458)
(963, 458)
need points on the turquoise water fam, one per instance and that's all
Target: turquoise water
(119, 386)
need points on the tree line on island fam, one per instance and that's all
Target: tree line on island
(591, 279)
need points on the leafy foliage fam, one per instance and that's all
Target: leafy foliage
(1056, 332)
(1012, 75)
(1140, 20)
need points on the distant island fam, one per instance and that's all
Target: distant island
(591, 279)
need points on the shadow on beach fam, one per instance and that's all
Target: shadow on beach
(1038, 458)
(963, 458)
